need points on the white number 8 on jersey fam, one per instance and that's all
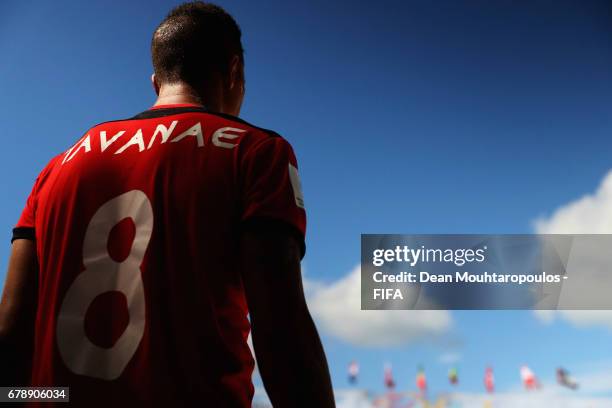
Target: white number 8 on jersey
(101, 275)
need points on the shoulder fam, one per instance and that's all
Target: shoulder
(254, 138)
(44, 173)
(262, 132)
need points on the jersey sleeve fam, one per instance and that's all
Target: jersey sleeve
(25, 227)
(272, 192)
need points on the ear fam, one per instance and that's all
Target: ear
(236, 72)
(155, 84)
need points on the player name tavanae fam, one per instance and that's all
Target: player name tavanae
(121, 140)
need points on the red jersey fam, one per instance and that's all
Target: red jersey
(137, 225)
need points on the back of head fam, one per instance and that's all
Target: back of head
(194, 42)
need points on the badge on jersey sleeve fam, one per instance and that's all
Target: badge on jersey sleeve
(296, 186)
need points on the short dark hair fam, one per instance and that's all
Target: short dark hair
(195, 40)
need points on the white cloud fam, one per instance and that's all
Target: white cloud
(578, 318)
(590, 214)
(337, 310)
(449, 358)
(553, 397)
(596, 383)
(256, 374)
(352, 399)
(595, 391)
(532, 399)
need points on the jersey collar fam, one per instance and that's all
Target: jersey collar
(176, 105)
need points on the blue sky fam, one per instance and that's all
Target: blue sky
(406, 117)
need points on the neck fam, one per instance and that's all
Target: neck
(170, 94)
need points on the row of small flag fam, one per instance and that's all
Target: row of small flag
(529, 379)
